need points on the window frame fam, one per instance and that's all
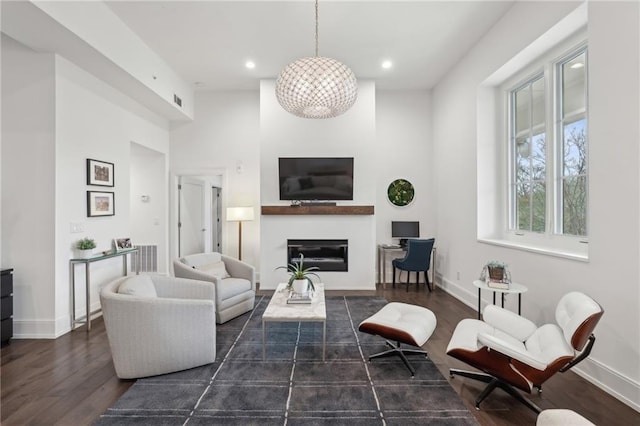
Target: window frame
(546, 66)
(560, 119)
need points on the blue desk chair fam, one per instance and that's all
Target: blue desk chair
(417, 259)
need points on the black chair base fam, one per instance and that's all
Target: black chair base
(396, 350)
(493, 383)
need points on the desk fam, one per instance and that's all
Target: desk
(87, 282)
(514, 288)
(384, 249)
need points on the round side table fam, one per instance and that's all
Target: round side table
(514, 288)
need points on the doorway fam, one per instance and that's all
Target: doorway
(198, 214)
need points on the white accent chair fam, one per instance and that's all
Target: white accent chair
(158, 325)
(235, 281)
(513, 352)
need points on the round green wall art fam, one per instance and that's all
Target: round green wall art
(400, 192)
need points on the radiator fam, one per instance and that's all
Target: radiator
(148, 256)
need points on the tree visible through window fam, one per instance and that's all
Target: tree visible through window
(528, 134)
(573, 118)
(549, 174)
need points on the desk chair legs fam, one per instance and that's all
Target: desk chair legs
(426, 279)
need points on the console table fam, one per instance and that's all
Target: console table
(384, 249)
(87, 261)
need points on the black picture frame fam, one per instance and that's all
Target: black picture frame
(100, 203)
(100, 173)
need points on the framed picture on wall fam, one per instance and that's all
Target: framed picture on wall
(100, 204)
(99, 173)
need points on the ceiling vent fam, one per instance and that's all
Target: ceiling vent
(177, 100)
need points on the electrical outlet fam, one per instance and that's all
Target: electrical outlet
(76, 227)
(458, 275)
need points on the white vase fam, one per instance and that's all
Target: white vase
(300, 286)
(84, 254)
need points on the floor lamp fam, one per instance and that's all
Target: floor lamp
(239, 214)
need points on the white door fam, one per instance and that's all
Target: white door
(191, 223)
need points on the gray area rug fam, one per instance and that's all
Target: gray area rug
(293, 386)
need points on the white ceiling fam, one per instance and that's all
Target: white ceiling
(209, 41)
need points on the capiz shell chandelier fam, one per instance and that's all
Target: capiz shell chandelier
(316, 87)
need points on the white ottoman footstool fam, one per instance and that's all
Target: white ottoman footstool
(402, 323)
(561, 417)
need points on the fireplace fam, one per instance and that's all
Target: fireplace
(328, 255)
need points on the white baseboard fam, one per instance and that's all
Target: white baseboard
(47, 329)
(36, 329)
(592, 370)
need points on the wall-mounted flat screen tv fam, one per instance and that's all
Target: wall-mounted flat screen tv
(315, 178)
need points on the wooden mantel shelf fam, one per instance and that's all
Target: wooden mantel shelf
(318, 210)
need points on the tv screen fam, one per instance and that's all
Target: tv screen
(315, 178)
(405, 229)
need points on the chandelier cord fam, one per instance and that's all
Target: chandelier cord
(316, 28)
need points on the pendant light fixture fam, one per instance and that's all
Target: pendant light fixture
(316, 87)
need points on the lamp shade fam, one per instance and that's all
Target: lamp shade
(235, 214)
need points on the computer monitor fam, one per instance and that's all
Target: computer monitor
(404, 230)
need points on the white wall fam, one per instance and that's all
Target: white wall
(95, 121)
(224, 140)
(62, 117)
(148, 219)
(611, 276)
(28, 178)
(352, 134)
(404, 149)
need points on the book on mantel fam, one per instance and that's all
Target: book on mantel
(300, 297)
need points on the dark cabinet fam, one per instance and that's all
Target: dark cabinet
(6, 306)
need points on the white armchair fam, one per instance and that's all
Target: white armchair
(234, 280)
(513, 352)
(157, 325)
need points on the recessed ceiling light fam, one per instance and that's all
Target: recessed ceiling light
(250, 64)
(577, 65)
(387, 64)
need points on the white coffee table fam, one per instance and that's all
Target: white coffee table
(279, 310)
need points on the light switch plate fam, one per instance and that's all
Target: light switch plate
(76, 227)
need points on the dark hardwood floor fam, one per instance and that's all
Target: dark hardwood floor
(71, 380)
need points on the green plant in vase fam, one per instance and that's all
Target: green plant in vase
(300, 278)
(85, 247)
(86, 244)
(496, 271)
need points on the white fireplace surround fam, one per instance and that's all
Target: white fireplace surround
(359, 230)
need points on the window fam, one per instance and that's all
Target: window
(548, 144)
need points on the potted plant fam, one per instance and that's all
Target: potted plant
(85, 247)
(300, 279)
(496, 271)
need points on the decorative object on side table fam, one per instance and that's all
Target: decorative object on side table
(300, 279)
(122, 243)
(400, 192)
(496, 274)
(300, 298)
(84, 248)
